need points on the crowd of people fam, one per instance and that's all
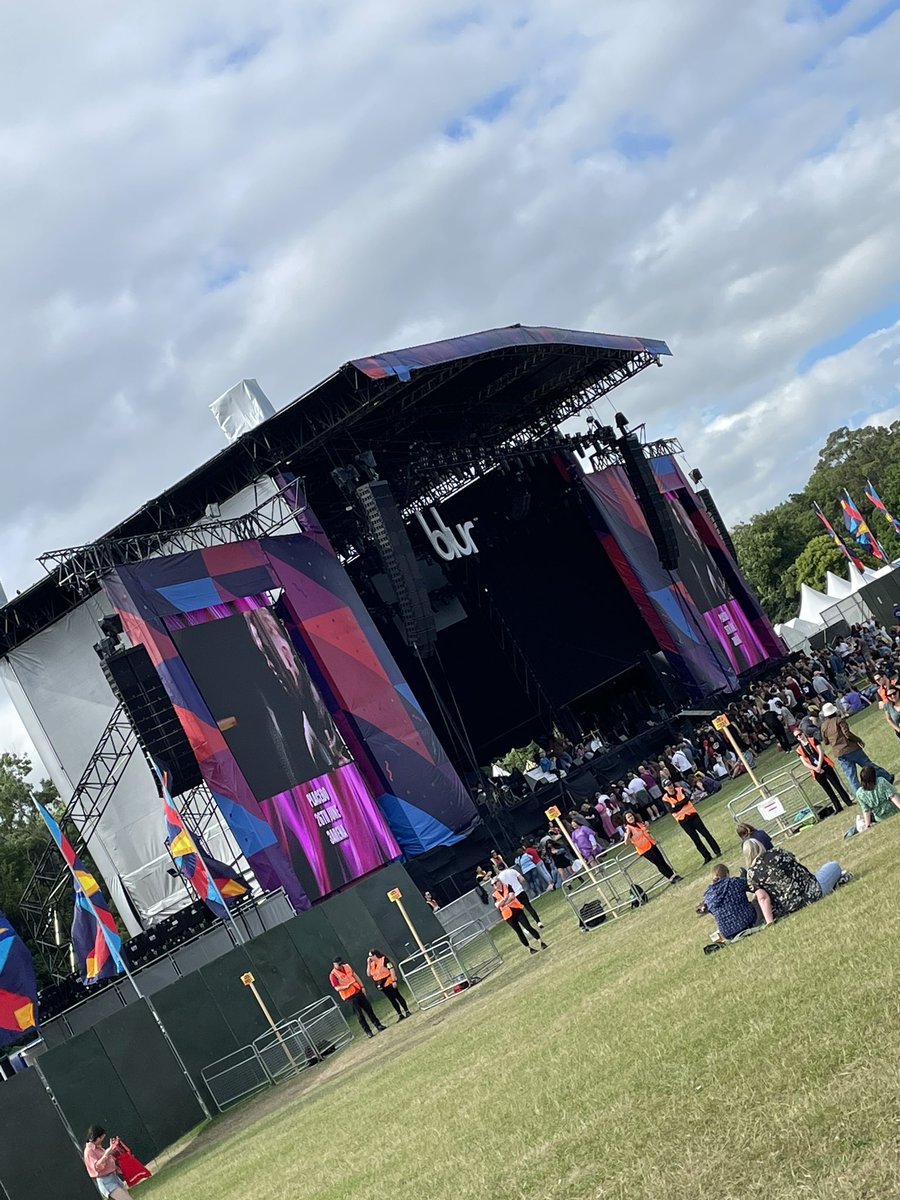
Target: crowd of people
(803, 708)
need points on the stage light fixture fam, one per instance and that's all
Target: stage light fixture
(621, 422)
(696, 476)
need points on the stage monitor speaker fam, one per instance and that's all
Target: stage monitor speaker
(652, 503)
(134, 679)
(385, 527)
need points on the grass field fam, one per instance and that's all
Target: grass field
(620, 1063)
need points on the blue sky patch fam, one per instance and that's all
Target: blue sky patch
(638, 145)
(880, 318)
(486, 110)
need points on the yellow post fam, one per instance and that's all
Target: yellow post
(723, 725)
(553, 815)
(396, 897)
(249, 980)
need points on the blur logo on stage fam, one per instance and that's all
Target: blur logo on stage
(447, 543)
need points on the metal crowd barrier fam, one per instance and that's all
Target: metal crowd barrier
(449, 965)
(299, 1042)
(325, 1025)
(621, 882)
(235, 1076)
(787, 808)
(285, 1050)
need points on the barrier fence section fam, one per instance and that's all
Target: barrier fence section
(784, 811)
(235, 1076)
(449, 965)
(621, 882)
(280, 1053)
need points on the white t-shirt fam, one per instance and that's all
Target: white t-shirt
(681, 761)
(511, 879)
(636, 785)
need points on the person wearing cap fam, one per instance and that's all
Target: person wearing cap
(349, 986)
(848, 747)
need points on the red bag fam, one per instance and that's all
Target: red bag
(130, 1168)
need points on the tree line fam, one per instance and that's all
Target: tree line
(787, 545)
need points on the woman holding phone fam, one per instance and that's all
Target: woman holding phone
(102, 1165)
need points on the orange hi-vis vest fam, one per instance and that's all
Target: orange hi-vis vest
(883, 689)
(812, 759)
(505, 898)
(343, 980)
(378, 969)
(640, 838)
(680, 805)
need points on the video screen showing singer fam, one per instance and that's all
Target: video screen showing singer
(262, 698)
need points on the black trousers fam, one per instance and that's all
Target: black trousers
(520, 923)
(775, 726)
(396, 997)
(655, 855)
(695, 829)
(830, 783)
(363, 1009)
(522, 898)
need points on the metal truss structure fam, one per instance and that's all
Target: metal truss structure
(82, 567)
(609, 456)
(79, 820)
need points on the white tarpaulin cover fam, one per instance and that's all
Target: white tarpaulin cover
(241, 408)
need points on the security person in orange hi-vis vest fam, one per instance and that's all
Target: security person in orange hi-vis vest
(381, 971)
(820, 766)
(636, 833)
(679, 804)
(512, 910)
(349, 986)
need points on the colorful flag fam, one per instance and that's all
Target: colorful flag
(231, 883)
(98, 945)
(92, 952)
(858, 529)
(838, 540)
(18, 986)
(876, 500)
(187, 857)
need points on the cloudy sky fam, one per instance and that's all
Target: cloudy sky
(197, 193)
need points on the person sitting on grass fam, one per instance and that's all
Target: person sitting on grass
(745, 831)
(726, 900)
(877, 798)
(782, 885)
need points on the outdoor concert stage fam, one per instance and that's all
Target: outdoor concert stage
(410, 569)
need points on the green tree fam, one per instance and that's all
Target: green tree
(23, 833)
(768, 545)
(819, 555)
(850, 457)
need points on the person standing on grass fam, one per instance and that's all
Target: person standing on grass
(822, 770)
(877, 798)
(349, 986)
(680, 805)
(514, 879)
(637, 834)
(509, 905)
(381, 971)
(102, 1165)
(535, 874)
(848, 747)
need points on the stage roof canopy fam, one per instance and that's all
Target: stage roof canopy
(428, 414)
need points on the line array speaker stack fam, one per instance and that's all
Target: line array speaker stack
(651, 500)
(387, 532)
(134, 679)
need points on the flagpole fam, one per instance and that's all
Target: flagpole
(120, 961)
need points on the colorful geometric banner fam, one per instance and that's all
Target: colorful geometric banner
(859, 530)
(99, 947)
(838, 540)
(18, 986)
(876, 500)
(187, 857)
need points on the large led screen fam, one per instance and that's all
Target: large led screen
(261, 696)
